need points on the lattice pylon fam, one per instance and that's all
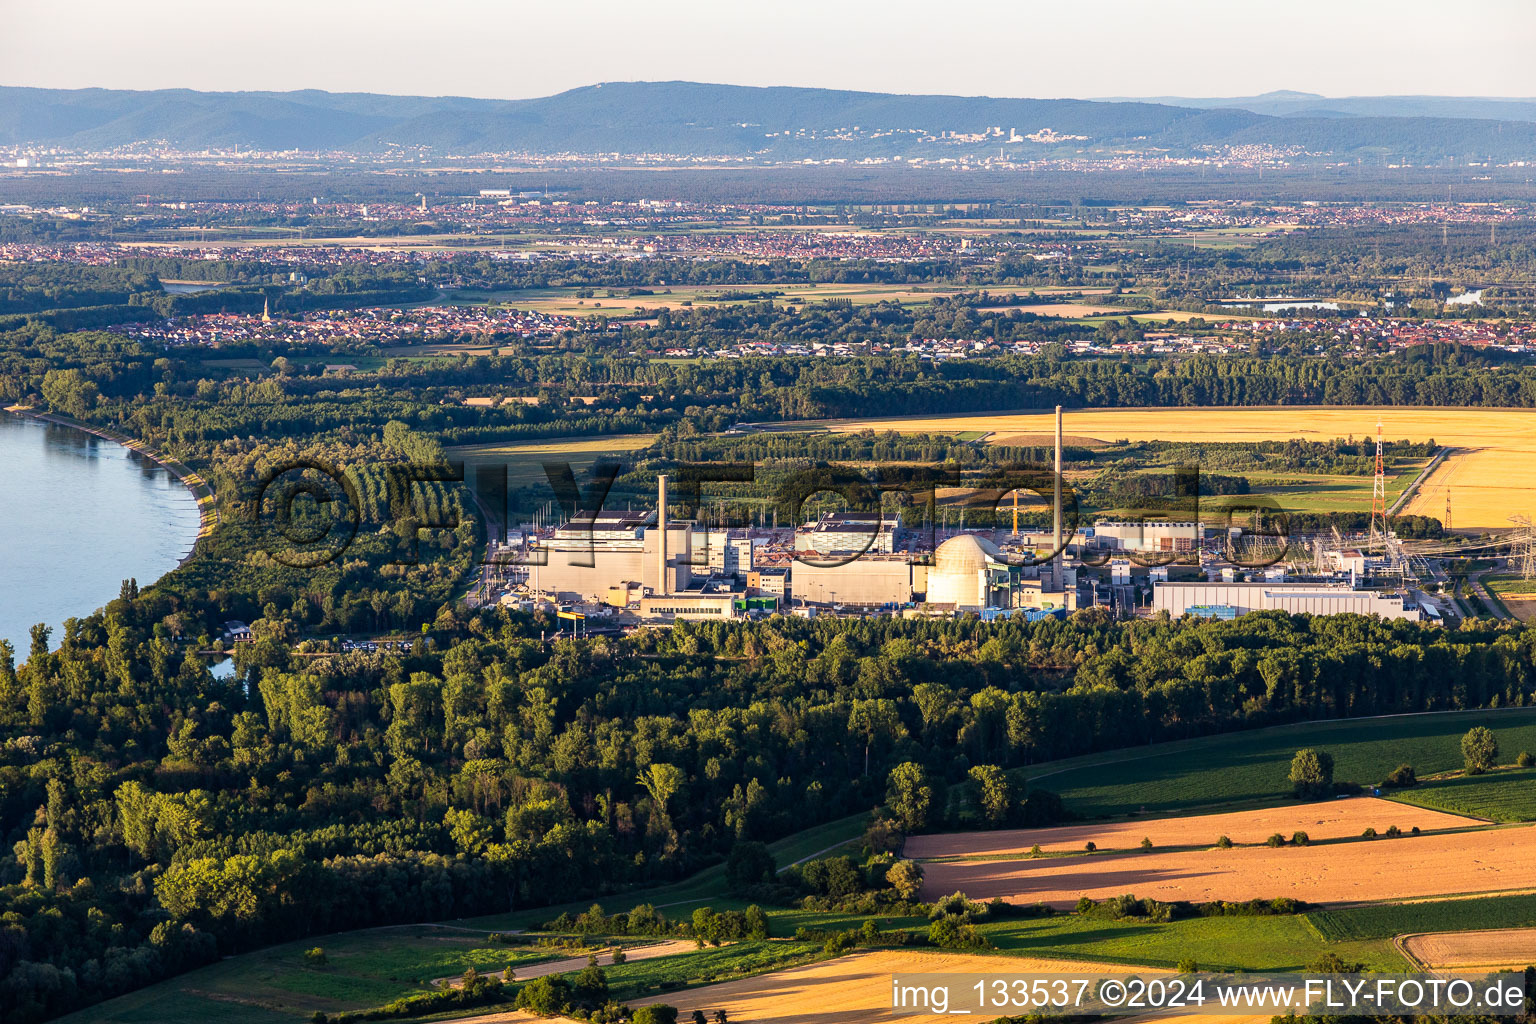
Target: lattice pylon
(1379, 497)
(1522, 547)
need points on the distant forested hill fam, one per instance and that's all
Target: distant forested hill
(1308, 104)
(765, 124)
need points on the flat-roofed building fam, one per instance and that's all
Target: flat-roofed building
(690, 607)
(723, 552)
(771, 580)
(1312, 598)
(871, 580)
(849, 532)
(1152, 535)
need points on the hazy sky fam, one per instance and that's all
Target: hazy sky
(512, 48)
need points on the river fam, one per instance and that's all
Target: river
(78, 515)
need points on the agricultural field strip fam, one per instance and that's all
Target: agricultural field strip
(1248, 769)
(1435, 864)
(1504, 794)
(1490, 949)
(854, 989)
(604, 956)
(554, 446)
(1337, 819)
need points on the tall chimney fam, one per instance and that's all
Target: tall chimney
(663, 586)
(1056, 502)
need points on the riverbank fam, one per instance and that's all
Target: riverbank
(199, 488)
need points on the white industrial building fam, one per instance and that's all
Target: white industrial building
(1227, 600)
(723, 552)
(870, 580)
(1152, 535)
(849, 533)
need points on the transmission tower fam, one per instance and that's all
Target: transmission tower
(1523, 546)
(1447, 508)
(1379, 497)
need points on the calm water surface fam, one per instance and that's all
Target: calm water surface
(78, 515)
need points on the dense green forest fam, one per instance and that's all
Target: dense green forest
(159, 816)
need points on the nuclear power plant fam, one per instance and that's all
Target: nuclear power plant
(648, 566)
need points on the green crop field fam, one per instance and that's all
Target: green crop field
(1286, 942)
(364, 969)
(648, 977)
(1249, 768)
(1386, 920)
(1302, 492)
(1508, 794)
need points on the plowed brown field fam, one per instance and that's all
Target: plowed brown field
(1438, 864)
(1488, 950)
(1337, 819)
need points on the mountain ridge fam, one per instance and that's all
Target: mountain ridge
(768, 124)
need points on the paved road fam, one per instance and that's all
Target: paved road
(1475, 584)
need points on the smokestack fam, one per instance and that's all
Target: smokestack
(663, 586)
(1056, 501)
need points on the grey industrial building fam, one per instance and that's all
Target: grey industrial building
(1226, 600)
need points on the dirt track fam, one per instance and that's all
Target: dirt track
(1386, 869)
(1486, 950)
(1337, 819)
(571, 965)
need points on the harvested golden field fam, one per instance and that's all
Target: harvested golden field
(510, 1017)
(1084, 309)
(1521, 606)
(1493, 479)
(565, 302)
(1474, 951)
(1046, 440)
(1337, 819)
(1438, 864)
(1487, 486)
(851, 989)
(1072, 309)
(605, 443)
